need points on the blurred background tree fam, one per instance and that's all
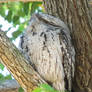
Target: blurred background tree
(18, 14)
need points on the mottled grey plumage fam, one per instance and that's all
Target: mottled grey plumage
(47, 45)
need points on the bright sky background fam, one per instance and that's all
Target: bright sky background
(5, 27)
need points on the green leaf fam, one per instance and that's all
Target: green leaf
(9, 16)
(35, 6)
(18, 32)
(16, 19)
(8, 77)
(26, 8)
(20, 89)
(21, 13)
(37, 90)
(44, 88)
(21, 27)
(1, 76)
(1, 66)
(3, 9)
(47, 88)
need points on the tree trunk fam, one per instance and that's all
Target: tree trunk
(76, 14)
(16, 64)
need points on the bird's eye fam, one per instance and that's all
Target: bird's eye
(34, 33)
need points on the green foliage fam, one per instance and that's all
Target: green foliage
(1, 66)
(44, 88)
(20, 89)
(36, 6)
(19, 31)
(2, 77)
(14, 11)
(8, 77)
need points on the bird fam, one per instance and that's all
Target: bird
(46, 43)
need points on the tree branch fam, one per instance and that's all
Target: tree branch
(15, 62)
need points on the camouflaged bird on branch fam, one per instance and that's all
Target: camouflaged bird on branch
(47, 45)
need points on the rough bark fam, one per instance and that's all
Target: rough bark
(16, 64)
(76, 14)
(9, 86)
